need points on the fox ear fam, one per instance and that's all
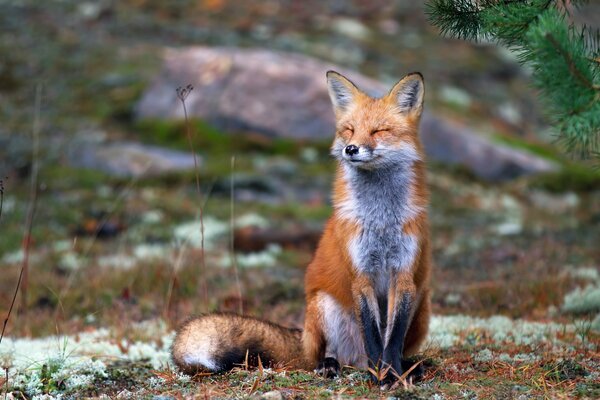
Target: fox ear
(408, 93)
(341, 91)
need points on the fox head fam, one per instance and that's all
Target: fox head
(372, 132)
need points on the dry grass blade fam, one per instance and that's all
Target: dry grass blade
(260, 367)
(201, 375)
(411, 369)
(380, 373)
(402, 379)
(172, 281)
(342, 391)
(258, 379)
(5, 383)
(246, 360)
(255, 385)
(168, 375)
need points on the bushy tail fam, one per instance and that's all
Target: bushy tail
(219, 342)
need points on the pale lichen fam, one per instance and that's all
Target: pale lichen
(581, 301)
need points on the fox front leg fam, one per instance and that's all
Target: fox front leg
(368, 315)
(401, 300)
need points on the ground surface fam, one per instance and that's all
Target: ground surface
(116, 263)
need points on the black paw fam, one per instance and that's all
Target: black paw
(389, 381)
(329, 367)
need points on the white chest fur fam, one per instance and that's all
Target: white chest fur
(380, 202)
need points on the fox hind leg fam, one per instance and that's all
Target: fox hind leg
(343, 343)
(313, 339)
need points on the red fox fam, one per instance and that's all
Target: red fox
(367, 287)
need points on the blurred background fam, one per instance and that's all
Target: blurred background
(120, 206)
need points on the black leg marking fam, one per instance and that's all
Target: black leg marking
(392, 354)
(373, 343)
(329, 367)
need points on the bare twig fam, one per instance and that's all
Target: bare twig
(1, 196)
(33, 192)
(182, 94)
(12, 303)
(232, 240)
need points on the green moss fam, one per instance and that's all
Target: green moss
(540, 149)
(565, 370)
(587, 390)
(209, 140)
(572, 177)
(60, 177)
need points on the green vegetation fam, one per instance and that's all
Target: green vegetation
(118, 298)
(205, 136)
(572, 176)
(564, 58)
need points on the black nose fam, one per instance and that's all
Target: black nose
(351, 150)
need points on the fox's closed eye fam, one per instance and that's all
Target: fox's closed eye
(378, 131)
(347, 132)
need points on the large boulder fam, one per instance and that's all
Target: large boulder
(130, 159)
(285, 95)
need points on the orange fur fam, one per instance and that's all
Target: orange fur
(337, 290)
(365, 122)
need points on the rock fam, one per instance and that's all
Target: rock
(285, 95)
(554, 203)
(272, 395)
(351, 28)
(453, 144)
(456, 96)
(129, 159)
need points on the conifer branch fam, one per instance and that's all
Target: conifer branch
(569, 60)
(565, 58)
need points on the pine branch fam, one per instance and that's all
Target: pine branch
(456, 18)
(569, 60)
(507, 22)
(591, 39)
(567, 79)
(565, 60)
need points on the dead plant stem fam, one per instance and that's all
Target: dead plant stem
(234, 264)
(33, 193)
(1, 196)
(182, 94)
(6, 384)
